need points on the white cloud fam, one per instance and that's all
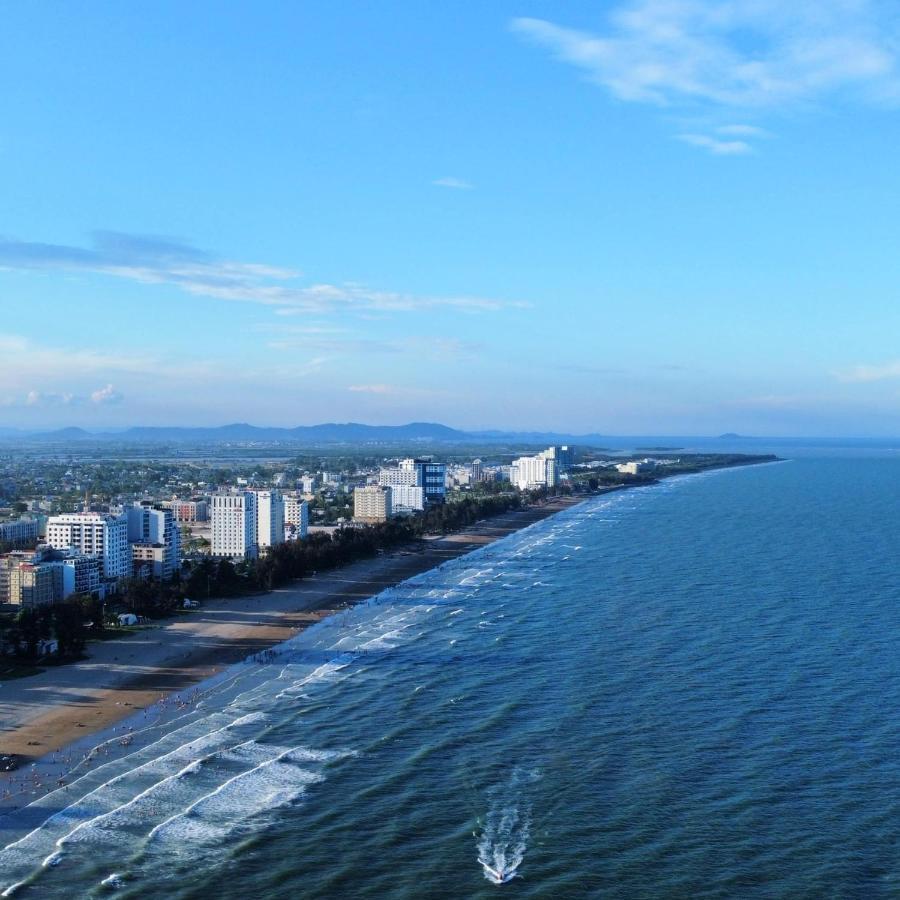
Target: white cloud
(868, 373)
(106, 395)
(459, 184)
(716, 146)
(154, 260)
(728, 55)
(736, 53)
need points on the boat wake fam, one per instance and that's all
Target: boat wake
(505, 830)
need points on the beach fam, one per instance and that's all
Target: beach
(43, 713)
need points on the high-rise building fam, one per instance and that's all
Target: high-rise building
(372, 504)
(31, 584)
(269, 518)
(71, 572)
(407, 499)
(233, 525)
(296, 517)
(154, 526)
(406, 474)
(94, 534)
(533, 472)
(564, 456)
(78, 573)
(423, 473)
(477, 471)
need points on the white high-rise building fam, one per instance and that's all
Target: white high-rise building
(94, 534)
(406, 474)
(269, 518)
(532, 472)
(150, 525)
(296, 517)
(233, 524)
(407, 499)
(430, 476)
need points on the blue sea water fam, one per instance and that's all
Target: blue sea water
(685, 690)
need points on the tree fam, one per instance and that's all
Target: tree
(33, 626)
(68, 625)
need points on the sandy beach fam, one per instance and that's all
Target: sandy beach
(43, 713)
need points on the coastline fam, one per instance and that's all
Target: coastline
(42, 714)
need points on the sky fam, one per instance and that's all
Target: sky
(634, 217)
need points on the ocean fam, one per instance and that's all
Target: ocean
(689, 689)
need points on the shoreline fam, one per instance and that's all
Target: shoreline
(64, 705)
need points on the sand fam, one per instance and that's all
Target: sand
(43, 713)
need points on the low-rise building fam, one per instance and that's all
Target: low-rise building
(636, 466)
(188, 512)
(151, 562)
(20, 533)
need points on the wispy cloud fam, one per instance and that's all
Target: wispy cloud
(392, 390)
(49, 398)
(341, 343)
(22, 358)
(459, 184)
(372, 389)
(156, 260)
(755, 55)
(746, 131)
(715, 146)
(867, 373)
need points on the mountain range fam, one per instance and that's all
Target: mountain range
(329, 433)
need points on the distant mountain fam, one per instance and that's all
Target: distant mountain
(350, 432)
(534, 437)
(62, 434)
(327, 433)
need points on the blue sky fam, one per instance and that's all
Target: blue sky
(652, 216)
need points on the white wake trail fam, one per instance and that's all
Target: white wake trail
(503, 840)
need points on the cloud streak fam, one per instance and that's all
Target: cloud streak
(863, 374)
(457, 184)
(737, 53)
(754, 55)
(715, 146)
(159, 260)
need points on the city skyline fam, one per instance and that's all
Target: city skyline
(630, 218)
